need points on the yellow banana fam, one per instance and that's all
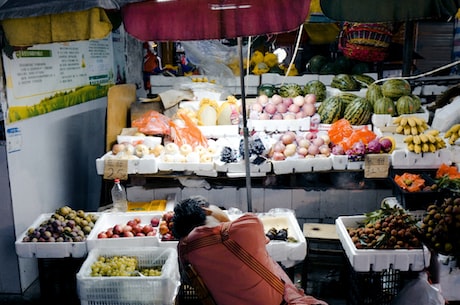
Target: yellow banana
(411, 121)
(403, 121)
(410, 146)
(420, 128)
(425, 147)
(417, 149)
(432, 147)
(413, 130)
(416, 139)
(419, 121)
(400, 129)
(423, 138)
(397, 120)
(409, 139)
(433, 132)
(407, 130)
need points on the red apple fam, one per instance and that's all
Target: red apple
(155, 221)
(109, 233)
(137, 220)
(140, 234)
(117, 229)
(102, 235)
(128, 234)
(147, 228)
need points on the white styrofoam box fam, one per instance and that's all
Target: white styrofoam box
(277, 79)
(384, 120)
(219, 131)
(188, 166)
(48, 249)
(365, 260)
(302, 165)
(120, 290)
(110, 219)
(454, 153)
(402, 158)
(144, 165)
(355, 165)
(339, 162)
(240, 167)
(283, 251)
(279, 125)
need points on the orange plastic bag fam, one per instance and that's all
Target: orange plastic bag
(152, 123)
(340, 130)
(187, 134)
(410, 182)
(446, 170)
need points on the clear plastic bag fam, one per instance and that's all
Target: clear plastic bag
(419, 291)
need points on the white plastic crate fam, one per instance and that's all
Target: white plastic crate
(402, 158)
(48, 249)
(303, 165)
(365, 260)
(131, 290)
(110, 219)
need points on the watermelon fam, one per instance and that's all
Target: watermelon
(331, 110)
(384, 105)
(315, 63)
(358, 111)
(406, 105)
(395, 88)
(373, 93)
(317, 88)
(290, 90)
(344, 82)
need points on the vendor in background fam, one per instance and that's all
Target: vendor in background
(230, 257)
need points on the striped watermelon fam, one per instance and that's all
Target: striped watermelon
(358, 112)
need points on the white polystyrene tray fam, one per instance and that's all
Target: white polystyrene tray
(48, 249)
(219, 131)
(302, 165)
(110, 219)
(402, 158)
(279, 125)
(145, 165)
(240, 167)
(384, 120)
(188, 166)
(365, 260)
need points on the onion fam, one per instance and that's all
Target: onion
(276, 99)
(302, 151)
(116, 148)
(310, 99)
(270, 108)
(262, 99)
(282, 108)
(299, 100)
(374, 146)
(337, 150)
(300, 115)
(294, 108)
(279, 147)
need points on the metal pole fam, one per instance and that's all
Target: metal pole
(245, 127)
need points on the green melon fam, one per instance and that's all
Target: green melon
(406, 105)
(344, 82)
(373, 93)
(385, 105)
(395, 88)
(358, 111)
(317, 88)
(315, 63)
(331, 110)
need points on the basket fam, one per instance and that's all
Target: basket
(131, 290)
(377, 288)
(367, 42)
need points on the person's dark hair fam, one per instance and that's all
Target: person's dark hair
(188, 214)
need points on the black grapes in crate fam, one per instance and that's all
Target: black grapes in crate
(256, 147)
(228, 155)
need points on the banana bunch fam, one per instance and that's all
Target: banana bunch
(453, 134)
(429, 141)
(410, 125)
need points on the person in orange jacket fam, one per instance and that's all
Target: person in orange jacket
(213, 245)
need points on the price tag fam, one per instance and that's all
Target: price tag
(376, 165)
(115, 169)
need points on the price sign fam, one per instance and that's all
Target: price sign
(376, 165)
(115, 169)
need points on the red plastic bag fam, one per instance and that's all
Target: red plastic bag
(152, 123)
(187, 134)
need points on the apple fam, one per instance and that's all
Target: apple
(137, 220)
(151, 233)
(128, 234)
(102, 235)
(117, 229)
(147, 228)
(131, 222)
(140, 234)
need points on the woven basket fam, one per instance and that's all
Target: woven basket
(367, 42)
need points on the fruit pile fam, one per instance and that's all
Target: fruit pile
(386, 228)
(132, 228)
(281, 234)
(410, 125)
(64, 225)
(166, 225)
(429, 141)
(453, 134)
(121, 266)
(441, 227)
